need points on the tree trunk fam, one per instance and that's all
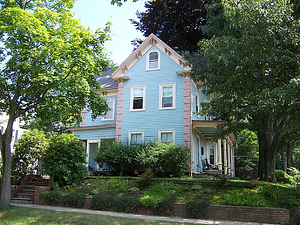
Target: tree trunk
(6, 167)
(288, 155)
(269, 139)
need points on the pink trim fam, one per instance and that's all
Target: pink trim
(83, 115)
(187, 117)
(119, 111)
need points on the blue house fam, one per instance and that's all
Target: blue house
(152, 97)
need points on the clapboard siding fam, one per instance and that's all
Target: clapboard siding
(96, 133)
(152, 119)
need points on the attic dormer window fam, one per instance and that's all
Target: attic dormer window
(153, 60)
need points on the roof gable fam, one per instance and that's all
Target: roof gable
(142, 50)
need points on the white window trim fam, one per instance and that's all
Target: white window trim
(136, 132)
(160, 96)
(166, 131)
(113, 110)
(147, 61)
(144, 98)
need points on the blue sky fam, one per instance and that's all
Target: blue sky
(95, 14)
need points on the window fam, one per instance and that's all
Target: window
(167, 96)
(212, 154)
(136, 138)
(137, 98)
(111, 112)
(166, 136)
(197, 103)
(153, 60)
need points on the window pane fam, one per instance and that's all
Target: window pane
(153, 56)
(167, 97)
(167, 137)
(138, 94)
(153, 60)
(109, 114)
(153, 64)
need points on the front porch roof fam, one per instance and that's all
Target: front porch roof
(206, 128)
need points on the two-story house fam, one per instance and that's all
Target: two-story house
(152, 97)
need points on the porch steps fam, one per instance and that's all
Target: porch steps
(25, 193)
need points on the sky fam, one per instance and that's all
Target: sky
(96, 13)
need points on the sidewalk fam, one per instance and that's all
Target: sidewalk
(135, 216)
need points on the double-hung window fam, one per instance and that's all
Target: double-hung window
(212, 154)
(166, 136)
(136, 138)
(153, 60)
(167, 96)
(110, 113)
(137, 101)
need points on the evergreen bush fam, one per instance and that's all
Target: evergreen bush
(74, 199)
(197, 208)
(51, 197)
(103, 201)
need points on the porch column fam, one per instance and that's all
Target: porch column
(119, 109)
(219, 154)
(229, 158)
(232, 163)
(225, 156)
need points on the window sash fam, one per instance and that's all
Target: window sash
(166, 137)
(110, 113)
(167, 96)
(138, 98)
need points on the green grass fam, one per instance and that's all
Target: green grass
(26, 216)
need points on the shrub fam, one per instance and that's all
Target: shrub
(103, 201)
(245, 197)
(156, 194)
(166, 207)
(295, 173)
(29, 150)
(197, 208)
(51, 197)
(144, 180)
(118, 156)
(283, 177)
(162, 158)
(65, 159)
(74, 199)
(118, 185)
(126, 204)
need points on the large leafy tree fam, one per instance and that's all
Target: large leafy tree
(252, 67)
(176, 22)
(48, 61)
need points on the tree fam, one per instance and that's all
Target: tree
(65, 159)
(246, 151)
(29, 150)
(176, 22)
(252, 68)
(48, 62)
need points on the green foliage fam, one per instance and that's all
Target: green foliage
(166, 207)
(144, 180)
(119, 185)
(161, 158)
(295, 173)
(74, 199)
(156, 194)
(51, 197)
(285, 178)
(65, 158)
(128, 204)
(245, 197)
(118, 156)
(197, 208)
(29, 150)
(103, 201)
(246, 151)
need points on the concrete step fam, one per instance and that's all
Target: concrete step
(21, 200)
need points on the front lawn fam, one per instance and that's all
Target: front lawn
(27, 216)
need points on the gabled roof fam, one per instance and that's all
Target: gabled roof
(141, 50)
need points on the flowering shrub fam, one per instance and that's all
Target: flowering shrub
(283, 177)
